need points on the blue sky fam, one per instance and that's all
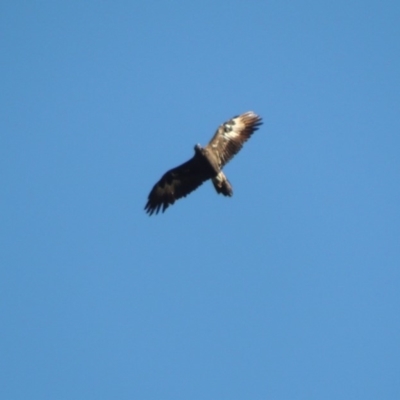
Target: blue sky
(287, 290)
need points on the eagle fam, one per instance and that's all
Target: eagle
(207, 163)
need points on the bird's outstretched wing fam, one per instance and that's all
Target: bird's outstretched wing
(231, 135)
(176, 183)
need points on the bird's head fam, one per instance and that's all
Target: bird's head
(198, 149)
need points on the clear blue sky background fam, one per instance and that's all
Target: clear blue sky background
(287, 290)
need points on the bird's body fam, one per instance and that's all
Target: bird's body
(207, 163)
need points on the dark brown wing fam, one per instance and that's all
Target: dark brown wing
(231, 135)
(176, 183)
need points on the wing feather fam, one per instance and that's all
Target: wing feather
(176, 183)
(231, 135)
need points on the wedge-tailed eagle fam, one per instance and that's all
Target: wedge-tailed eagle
(207, 163)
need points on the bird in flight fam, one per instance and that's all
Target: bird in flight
(207, 163)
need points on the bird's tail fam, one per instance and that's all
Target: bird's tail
(222, 185)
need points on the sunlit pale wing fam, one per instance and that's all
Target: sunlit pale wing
(176, 183)
(231, 135)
